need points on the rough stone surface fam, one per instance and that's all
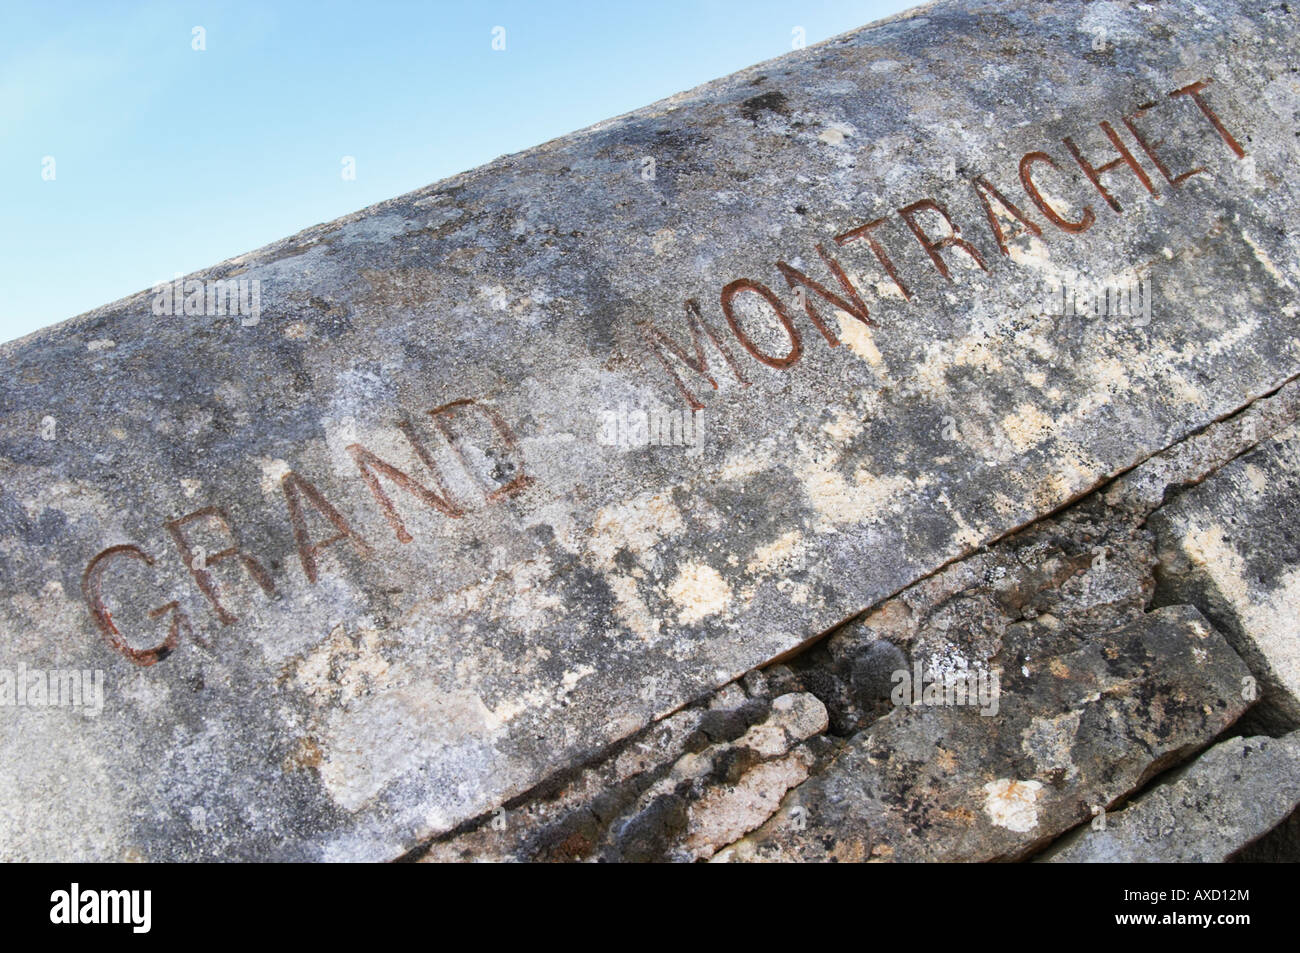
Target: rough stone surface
(447, 590)
(701, 779)
(1087, 569)
(1231, 546)
(1228, 797)
(1082, 722)
(1281, 845)
(1139, 492)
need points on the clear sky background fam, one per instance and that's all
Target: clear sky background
(169, 159)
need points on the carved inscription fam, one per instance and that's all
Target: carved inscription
(314, 523)
(930, 222)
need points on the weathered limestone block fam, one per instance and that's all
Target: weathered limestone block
(499, 472)
(1081, 722)
(1229, 796)
(1231, 546)
(1281, 845)
(694, 782)
(1143, 489)
(1088, 569)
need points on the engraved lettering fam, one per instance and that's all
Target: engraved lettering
(933, 246)
(1150, 147)
(854, 305)
(1086, 218)
(199, 567)
(1124, 158)
(92, 583)
(984, 189)
(748, 284)
(698, 329)
(864, 232)
(1194, 90)
(372, 466)
(520, 479)
(295, 488)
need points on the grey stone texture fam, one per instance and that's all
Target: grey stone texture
(1230, 796)
(1232, 547)
(1080, 724)
(1077, 575)
(427, 533)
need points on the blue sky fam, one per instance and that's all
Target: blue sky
(168, 159)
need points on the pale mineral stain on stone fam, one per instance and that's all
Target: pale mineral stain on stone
(571, 678)
(74, 500)
(1227, 340)
(272, 472)
(966, 535)
(340, 669)
(886, 289)
(971, 350)
(636, 524)
(775, 553)
(741, 466)
(1027, 427)
(663, 240)
(1013, 804)
(833, 135)
(388, 735)
(1271, 622)
(839, 501)
(495, 295)
(843, 427)
(699, 591)
(1186, 392)
(632, 610)
(856, 336)
(1029, 251)
(1262, 256)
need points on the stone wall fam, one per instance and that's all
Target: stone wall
(1114, 682)
(591, 503)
